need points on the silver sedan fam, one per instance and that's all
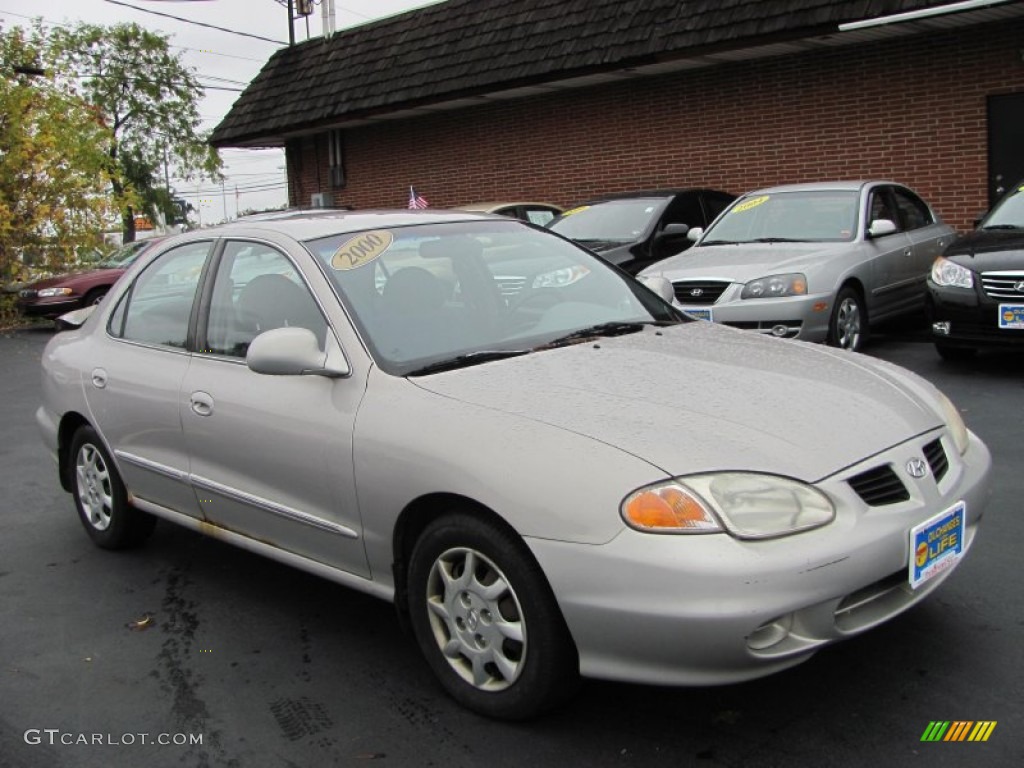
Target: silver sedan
(575, 480)
(820, 262)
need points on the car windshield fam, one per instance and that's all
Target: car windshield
(1009, 213)
(623, 221)
(801, 216)
(123, 256)
(448, 294)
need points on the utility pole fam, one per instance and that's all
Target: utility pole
(291, 22)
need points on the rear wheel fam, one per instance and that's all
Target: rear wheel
(100, 496)
(486, 620)
(848, 326)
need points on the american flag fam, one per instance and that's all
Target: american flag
(416, 202)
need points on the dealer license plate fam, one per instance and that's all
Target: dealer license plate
(1011, 316)
(703, 313)
(937, 544)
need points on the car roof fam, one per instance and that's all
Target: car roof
(488, 207)
(822, 186)
(310, 225)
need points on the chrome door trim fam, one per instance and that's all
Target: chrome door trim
(273, 507)
(152, 466)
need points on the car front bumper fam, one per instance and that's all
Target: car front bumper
(790, 317)
(968, 318)
(49, 308)
(711, 609)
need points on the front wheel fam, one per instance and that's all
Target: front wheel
(955, 354)
(486, 620)
(848, 326)
(100, 496)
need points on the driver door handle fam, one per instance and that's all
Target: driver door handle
(202, 403)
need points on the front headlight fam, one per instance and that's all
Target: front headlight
(949, 274)
(746, 504)
(775, 286)
(47, 292)
(955, 423)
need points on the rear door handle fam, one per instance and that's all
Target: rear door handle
(202, 403)
(99, 378)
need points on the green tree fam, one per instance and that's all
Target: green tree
(149, 99)
(54, 197)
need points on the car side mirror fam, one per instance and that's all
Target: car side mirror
(295, 352)
(694, 234)
(660, 285)
(881, 228)
(74, 319)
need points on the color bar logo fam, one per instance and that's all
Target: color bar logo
(958, 730)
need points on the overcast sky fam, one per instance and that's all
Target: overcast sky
(220, 59)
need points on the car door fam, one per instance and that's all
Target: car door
(137, 369)
(685, 208)
(271, 456)
(892, 264)
(928, 239)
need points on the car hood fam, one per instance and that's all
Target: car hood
(73, 279)
(699, 397)
(746, 261)
(984, 251)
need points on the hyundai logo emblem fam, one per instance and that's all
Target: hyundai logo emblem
(696, 291)
(1019, 287)
(917, 468)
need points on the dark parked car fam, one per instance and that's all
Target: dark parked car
(976, 288)
(53, 296)
(535, 213)
(635, 229)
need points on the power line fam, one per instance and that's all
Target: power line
(197, 23)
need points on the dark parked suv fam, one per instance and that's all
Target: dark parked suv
(976, 288)
(635, 229)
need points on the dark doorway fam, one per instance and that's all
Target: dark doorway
(1005, 143)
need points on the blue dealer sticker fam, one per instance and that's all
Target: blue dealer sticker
(937, 544)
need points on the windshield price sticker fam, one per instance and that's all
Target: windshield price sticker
(936, 545)
(362, 249)
(753, 202)
(1011, 316)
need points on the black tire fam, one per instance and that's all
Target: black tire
(95, 296)
(848, 325)
(100, 496)
(955, 354)
(511, 679)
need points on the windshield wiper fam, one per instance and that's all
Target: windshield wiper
(721, 242)
(1002, 226)
(468, 359)
(616, 328)
(779, 240)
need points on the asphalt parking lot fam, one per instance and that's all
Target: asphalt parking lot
(268, 666)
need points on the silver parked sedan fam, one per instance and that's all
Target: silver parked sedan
(578, 479)
(820, 262)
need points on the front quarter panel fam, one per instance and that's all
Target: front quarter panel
(545, 482)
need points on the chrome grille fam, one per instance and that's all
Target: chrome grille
(879, 486)
(1003, 285)
(699, 291)
(27, 294)
(935, 454)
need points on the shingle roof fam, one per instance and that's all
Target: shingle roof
(460, 48)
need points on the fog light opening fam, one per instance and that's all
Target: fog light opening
(779, 330)
(770, 633)
(943, 328)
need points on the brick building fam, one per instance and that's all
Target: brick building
(561, 100)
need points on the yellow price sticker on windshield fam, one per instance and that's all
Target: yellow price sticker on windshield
(362, 249)
(580, 209)
(746, 205)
